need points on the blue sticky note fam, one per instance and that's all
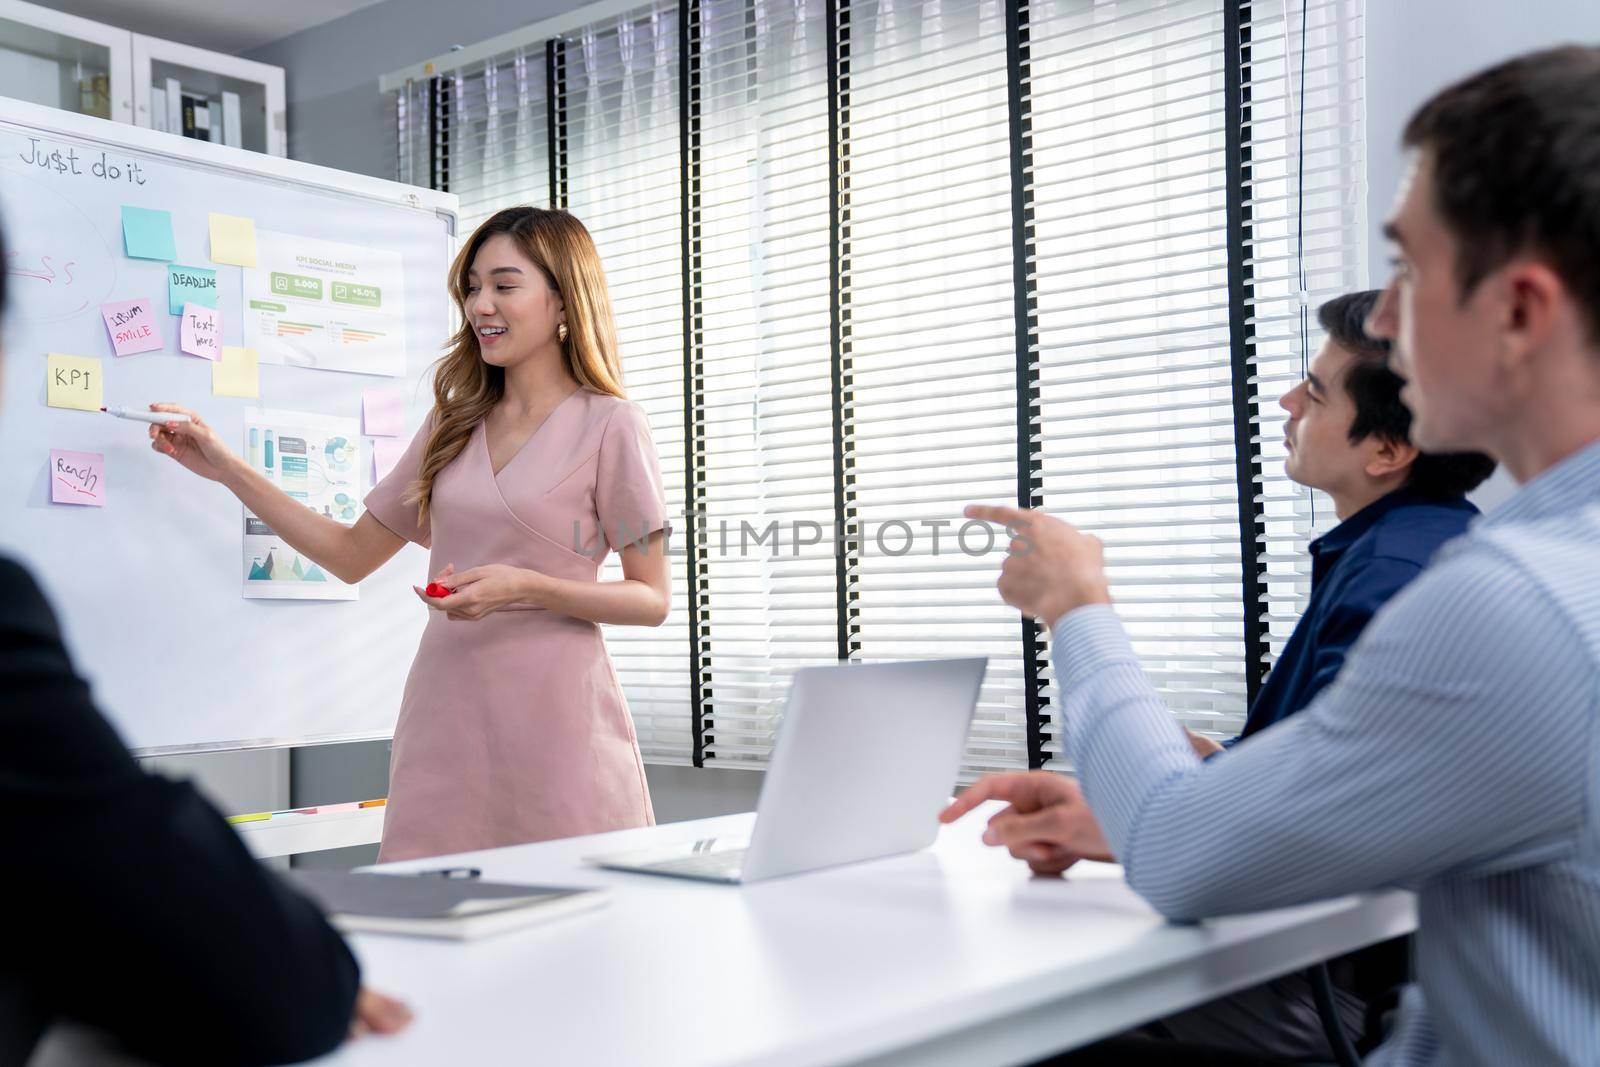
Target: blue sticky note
(148, 234)
(190, 285)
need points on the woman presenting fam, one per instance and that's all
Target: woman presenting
(531, 465)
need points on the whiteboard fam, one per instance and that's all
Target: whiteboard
(148, 587)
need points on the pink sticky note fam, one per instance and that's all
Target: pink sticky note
(201, 334)
(384, 412)
(385, 454)
(77, 477)
(132, 325)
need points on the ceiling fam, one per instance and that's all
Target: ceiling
(235, 26)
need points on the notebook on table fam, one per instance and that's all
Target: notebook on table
(359, 902)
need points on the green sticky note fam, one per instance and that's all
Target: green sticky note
(148, 233)
(190, 285)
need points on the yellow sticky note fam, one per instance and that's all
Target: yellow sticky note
(236, 373)
(74, 382)
(233, 240)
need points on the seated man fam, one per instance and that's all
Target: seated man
(134, 907)
(1347, 435)
(1456, 753)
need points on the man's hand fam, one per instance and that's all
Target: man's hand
(1052, 568)
(377, 1014)
(1048, 825)
(1203, 746)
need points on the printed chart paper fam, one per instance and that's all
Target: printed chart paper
(324, 305)
(316, 459)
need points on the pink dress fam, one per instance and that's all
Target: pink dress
(513, 728)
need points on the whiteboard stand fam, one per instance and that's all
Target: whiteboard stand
(289, 834)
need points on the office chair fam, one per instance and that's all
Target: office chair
(1378, 975)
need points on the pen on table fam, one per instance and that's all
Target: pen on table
(454, 874)
(157, 417)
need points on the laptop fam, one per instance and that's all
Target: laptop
(866, 757)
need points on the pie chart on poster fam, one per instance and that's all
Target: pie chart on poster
(341, 454)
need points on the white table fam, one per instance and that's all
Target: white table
(951, 956)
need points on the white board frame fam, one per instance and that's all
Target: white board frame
(239, 162)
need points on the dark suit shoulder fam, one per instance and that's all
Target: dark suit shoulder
(52, 739)
(23, 608)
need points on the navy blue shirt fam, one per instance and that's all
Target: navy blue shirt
(1355, 568)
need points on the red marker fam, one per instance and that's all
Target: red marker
(437, 590)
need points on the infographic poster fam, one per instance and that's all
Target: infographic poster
(325, 305)
(316, 460)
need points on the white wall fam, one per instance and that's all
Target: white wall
(336, 115)
(1417, 47)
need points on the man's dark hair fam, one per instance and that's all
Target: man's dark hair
(1375, 389)
(1516, 167)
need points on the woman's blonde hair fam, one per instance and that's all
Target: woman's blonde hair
(465, 387)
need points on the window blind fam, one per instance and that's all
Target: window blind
(623, 182)
(1304, 121)
(768, 411)
(1136, 394)
(497, 147)
(931, 353)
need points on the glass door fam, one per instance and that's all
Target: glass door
(209, 96)
(64, 61)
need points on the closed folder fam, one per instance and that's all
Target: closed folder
(358, 902)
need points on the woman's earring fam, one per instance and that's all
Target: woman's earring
(561, 332)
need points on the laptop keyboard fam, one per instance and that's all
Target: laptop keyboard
(724, 864)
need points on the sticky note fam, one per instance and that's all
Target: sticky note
(386, 452)
(201, 332)
(190, 285)
(73, 382)
(383, 412)
(236, 373)
(132, 325)
(147, 234)
(233, 240)
(349, 805)
(77, 478)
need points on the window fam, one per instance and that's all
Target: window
(875, 259)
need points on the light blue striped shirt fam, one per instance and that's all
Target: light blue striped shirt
(1457, 754)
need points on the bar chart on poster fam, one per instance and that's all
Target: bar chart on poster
(297, 310)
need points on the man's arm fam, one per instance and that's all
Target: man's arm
(141, 912)
(1457, 734)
